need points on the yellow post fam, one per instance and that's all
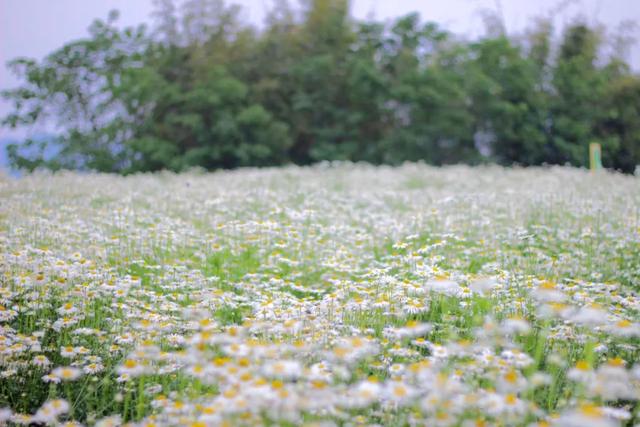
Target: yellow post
(595, 156)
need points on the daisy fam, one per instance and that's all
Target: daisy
(131, 368)
(68, 351)
(41, 361)
(66, 373)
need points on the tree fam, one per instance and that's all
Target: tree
(75, 89)
(508, 104)
(203, 88)
(579, 86)
(620, 126)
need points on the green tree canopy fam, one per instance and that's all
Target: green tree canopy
(201, 87)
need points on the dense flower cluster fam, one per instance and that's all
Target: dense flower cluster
(331, 295)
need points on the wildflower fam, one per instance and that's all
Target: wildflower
(581, 372)
(7, 314)
(421, 342)
(398, 392)
(67, 309)
(123, 378)
(442, 286)
(511, 381)
(131, 368)
(93, 368)
(22, 419)
(410, 330)
(41, 361)
(502, 405)
(515, 325)
(5, 415)
(540, 379)
(68, 351)
(548, 292)
(587, 415)
(363, 394)
(51, 410)
(176, 340)
(439, 351)
(624, 328)
(288, 369)
(483, 286)
(66, 373)
(50, 378)
(415, 306)
(612, 382)
(589, 316)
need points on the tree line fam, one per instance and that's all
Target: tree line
(200, 87)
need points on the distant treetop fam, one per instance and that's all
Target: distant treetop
(200, 87)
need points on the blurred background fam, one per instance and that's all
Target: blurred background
(145, 85)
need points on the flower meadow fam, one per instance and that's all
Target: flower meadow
(331, 295)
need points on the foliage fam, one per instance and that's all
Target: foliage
(205, 89)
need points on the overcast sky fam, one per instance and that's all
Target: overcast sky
(33, 28)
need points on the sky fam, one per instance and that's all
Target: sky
(33, 28)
